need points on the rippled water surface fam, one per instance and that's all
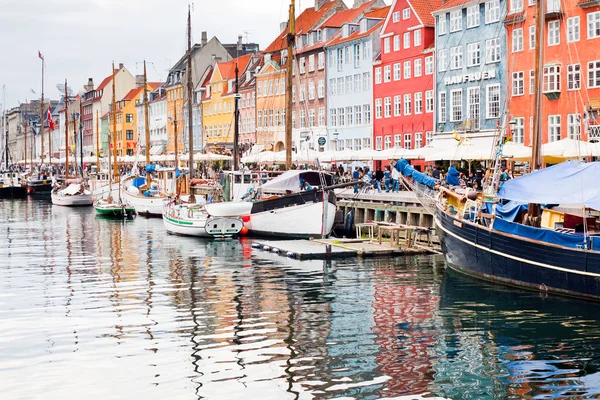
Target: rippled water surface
(98, 309)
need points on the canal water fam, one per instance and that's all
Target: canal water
(98, 309)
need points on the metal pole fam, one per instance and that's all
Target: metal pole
(42, 115)
(236, 129)
(146, 127)
(66, 132)
(114, 126)
(291, 38)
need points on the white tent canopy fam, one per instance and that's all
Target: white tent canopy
(470, 149)
(570, 148)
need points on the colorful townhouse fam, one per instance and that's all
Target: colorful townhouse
(472, 59)
(403, 77)
(571, 70)
(218, 102)
(309, 108)
(350, 56)
(157, 121)
(271, 81)
(247, 104)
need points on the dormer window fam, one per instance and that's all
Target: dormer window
(363, 25)
(319, 35)
(345, 30)
(406, 13)
(311, 39)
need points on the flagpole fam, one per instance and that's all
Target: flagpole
(42, 112)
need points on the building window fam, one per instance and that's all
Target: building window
(419, 103)
(473, 16)
(332, 117)
(552, 78)
(418, 69)
(396, 42)
(303, 119)
(397, 105)
(456, 21)
(593, 25)
(473, 106)
(442, 59)
(366, 81)
(378, 108)
(311, 63)
(386, 45)
(340, 59)
(321, 89)
(417, 37)
(396, 16)
(456, 105)
(574, 126)
(428, 138)
(406, 13)
(492, 11)
(129, 134)
(573, 31)
(357, 83)
(442, 106)
(341, 116)
(321, 60)
(406, 39)
(531, 81)
(357, 55)
(492, 50)
(517, 40)
(407, 141)
(347, 56)
(429, 65)
(302, 65)
(516, 6)
(321, 116)
(473, 54)
(574, 76)
(456, 57)
(349, 115)
(387, 73)
(418, 140)
(311, 90)
(519, 130)
(553, 33)
(388, 107)
(518, 83)
(553, 128)
(357, 144)
(532, 37)
(129, 118)
(442, 24)
(349, 84)
(367, 113)
(358, 115)
(429, 101)
(388, 142)
(493, 101)
(407, 104)
(377, 75)
(397, 71)
(332, 87)
(366, 143)
(407, 68)
(378, 143)
(594, 74)
(366, 50)
(397, 142)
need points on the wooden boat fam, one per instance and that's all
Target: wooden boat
(194, 220)
(105, 208)
(73, 195)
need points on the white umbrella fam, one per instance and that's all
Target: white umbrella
(393, 153)
(570, 148)
(516, 151)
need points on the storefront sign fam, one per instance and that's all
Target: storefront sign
(474, 77)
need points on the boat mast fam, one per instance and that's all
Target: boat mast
(236, 128)
(190, 98)
(291, 39)
(4, 132)
(25, 135)
(80, 127)
(536, 156)
(146, 127)
(97, 144)
(114, 127)
(42, 116)
(66, 132)
(175, 127)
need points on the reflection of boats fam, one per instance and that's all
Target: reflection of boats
(517, 343)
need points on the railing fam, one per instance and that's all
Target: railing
(594, 132)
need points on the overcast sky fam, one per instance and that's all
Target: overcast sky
(80, 38)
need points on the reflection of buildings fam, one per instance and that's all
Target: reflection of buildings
(404, 307)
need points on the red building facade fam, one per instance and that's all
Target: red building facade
(571, 69)
(403, 77)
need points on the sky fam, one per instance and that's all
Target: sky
(80, 38)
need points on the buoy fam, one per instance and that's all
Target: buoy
(246, 218)
(276, 251)
(255, 245)
(266, 248)
(244, 231)
(291, 254)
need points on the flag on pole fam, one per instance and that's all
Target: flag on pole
(49, 118)
(40, 55)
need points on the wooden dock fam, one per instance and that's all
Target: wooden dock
(338, 248)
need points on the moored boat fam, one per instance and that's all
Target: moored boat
(12, 185)
(110, 209)
(72, 196)
(194, 220)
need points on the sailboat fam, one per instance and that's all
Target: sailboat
(73, 192)
(10, 181)
(497, 235)
(191, 218)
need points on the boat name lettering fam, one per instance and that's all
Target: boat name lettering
(474, 77)
(459, 224)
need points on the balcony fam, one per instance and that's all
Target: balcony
(553, 10)
(588, 3)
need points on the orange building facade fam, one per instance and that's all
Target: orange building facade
(571, 69)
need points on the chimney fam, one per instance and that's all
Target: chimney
(90, 85)
(320, 3)
(283, 26)
(239, 43)
(120, 65)
(139, 80)
(204, 39)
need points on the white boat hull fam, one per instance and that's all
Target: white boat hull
(177, 220)
(72, 201)
(151, 206)
(304, 220)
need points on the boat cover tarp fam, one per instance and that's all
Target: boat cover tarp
(565, 183)
(452, 177)
(510, 210)
(543, 235)
(71, 190)
(291, 180)
(138, 182)
(410, 172)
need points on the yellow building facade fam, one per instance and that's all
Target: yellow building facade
(174, 118)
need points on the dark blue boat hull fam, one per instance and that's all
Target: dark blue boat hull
(491, 255)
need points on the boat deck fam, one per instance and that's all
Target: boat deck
(338, 248)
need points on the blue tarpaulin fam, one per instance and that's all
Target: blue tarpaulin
(452, 177)
(543, 235)
(409, 171)
(139, 182)
(510, 210)
(567, 183)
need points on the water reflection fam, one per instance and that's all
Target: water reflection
(109, 308)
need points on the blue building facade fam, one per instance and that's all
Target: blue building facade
(471, 85)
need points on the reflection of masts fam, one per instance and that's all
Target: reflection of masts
(190, 98)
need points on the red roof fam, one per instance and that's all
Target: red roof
(378, 12)
(350, 15)
(105, 82)
(447, 5)
(304, 22)
(356, 34)
(134, 92)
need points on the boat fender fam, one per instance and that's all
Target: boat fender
(291, 254)
(360, 253)
(276, 251)
(267, 248)
(349, 221)
(256, 246)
